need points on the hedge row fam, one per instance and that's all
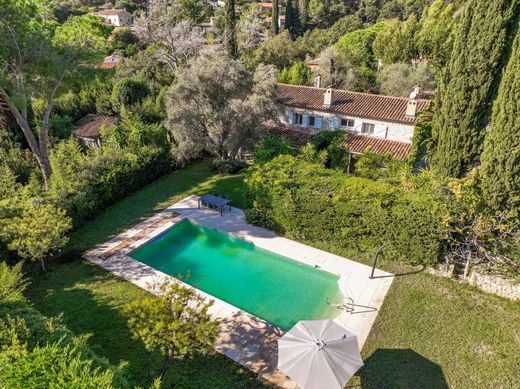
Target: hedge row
(307, 202)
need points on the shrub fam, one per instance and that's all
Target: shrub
(233, 166)
(305, 201)
(271, 146)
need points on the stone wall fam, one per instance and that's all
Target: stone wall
(500, 286)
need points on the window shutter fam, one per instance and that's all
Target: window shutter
(334, 122)
(291, 117)
(318, 122)
(305, 121)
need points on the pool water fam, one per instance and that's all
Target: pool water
(270, 286)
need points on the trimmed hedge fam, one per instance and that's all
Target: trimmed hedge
(307, 202)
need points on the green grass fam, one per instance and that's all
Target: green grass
(431, 332)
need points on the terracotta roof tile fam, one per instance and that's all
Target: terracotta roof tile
(88, 126)
(364, 105)
(356, 143)
(298, 138)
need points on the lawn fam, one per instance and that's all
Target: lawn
(431, 332)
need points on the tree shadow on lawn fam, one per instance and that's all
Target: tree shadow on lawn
(400, 368)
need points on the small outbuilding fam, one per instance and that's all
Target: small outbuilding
(88, 128)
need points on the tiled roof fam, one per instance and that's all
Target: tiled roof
(88, 126)
(363, 105)
(298, 138)
(356, 143)
(113, 11)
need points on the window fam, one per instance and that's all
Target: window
(368, 128)
(312, 121)
(347, 122)
(298, 119)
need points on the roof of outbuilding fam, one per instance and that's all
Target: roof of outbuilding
(363, 105)
(113, 11)
(358, 144)
(298, 138)
(88, 126)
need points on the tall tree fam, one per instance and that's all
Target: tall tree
(470, 82)
(292, 18)
(275, 16)
(36, 56)
(216, 105)
(501, 156)
(230, 32)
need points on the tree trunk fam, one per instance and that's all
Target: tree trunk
(43, 264)
(167, 360)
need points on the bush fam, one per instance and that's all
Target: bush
(308, 202)
(233, 166)
(271, 146)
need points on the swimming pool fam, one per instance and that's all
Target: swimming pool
(270, 286)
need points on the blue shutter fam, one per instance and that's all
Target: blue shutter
(334, 122)
(291, 117)
(305, 121)
(318, 121)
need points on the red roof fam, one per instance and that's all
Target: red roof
(298, 138)
(89, 125)
(266, 5)
(363, 105)
(358, 144)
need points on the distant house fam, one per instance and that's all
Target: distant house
(376, 123)
(116, 17)
(88, 128)
(111, 61)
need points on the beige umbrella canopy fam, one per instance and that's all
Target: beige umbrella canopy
(319, 354)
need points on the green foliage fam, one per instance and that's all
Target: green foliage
(306, 202)
(422, 135)
(128, 92)
(233, 166)
(297, 74)
(12, 283)
(292, 17)
(176, 322)
(278, 51)
(122, 39)
(469, 84)
(230, 32)
(399, 79)
(435, 36)
(377, 167)
(343, 26)
(275, 10)
(330, 141)
(396, 41)
(133, 154)
(271, 146)
(500, 168)
(56, 365)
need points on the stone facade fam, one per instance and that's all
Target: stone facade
(489, 283)
(331, 121)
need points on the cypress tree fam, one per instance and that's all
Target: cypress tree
(292, 18)
(230, 22)
(500, 169)
(275, 29)
(469, 84)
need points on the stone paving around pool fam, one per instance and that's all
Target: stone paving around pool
(245, 338)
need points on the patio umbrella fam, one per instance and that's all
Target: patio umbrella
(319, 354)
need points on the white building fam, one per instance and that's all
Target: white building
(116, 17)
(377, 123)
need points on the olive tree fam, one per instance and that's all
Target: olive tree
(36, 56)
(216, 105)
(176, 322)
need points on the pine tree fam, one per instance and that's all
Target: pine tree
(292, 18)
(275, 28)
(469, 83)
(230, 23)
(501, 156)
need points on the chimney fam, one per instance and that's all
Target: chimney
(317, 81)
(411, 106)
(327, 98)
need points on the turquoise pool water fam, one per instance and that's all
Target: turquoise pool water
(275, 288)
